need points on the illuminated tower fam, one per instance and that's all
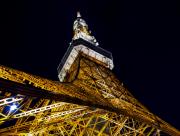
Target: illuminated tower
(89, 100)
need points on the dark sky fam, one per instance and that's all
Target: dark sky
(142, 36)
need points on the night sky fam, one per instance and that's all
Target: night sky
(142, 36)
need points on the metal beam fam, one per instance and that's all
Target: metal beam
(19, 88)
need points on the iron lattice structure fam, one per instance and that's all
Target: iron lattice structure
(88, 101)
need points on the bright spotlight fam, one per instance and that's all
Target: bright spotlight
(13, 107)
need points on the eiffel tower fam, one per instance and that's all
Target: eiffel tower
(88, 100)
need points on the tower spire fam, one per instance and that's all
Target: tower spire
(80, 29)
(78, 14)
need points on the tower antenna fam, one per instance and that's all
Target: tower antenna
(78, 14)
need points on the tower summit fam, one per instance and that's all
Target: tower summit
(85, 44)
(80, 29)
